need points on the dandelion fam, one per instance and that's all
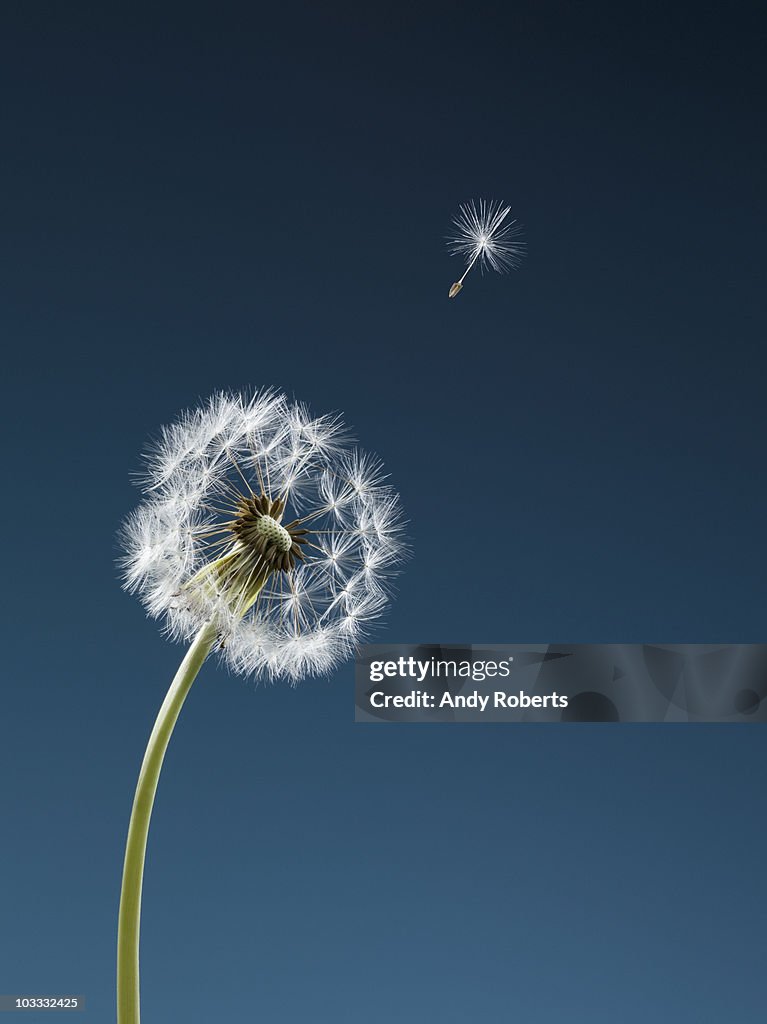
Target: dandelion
(479, 233)
(263, 535)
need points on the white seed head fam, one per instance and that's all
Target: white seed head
(264, 519)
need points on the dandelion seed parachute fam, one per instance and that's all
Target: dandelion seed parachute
(481, 233)
(266, 521)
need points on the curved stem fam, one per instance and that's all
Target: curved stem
(138, 829)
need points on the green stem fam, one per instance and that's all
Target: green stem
(135, 849)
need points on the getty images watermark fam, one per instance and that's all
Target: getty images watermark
(561, 683)
(434, 668)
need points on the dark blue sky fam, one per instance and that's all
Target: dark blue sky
(225, 195)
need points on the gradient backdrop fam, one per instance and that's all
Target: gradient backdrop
(219, 195)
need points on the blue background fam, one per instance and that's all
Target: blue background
(229, 195)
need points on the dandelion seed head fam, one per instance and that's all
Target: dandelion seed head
(265, 519)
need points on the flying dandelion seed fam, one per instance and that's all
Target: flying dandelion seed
(266, 536)
(481, 233)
